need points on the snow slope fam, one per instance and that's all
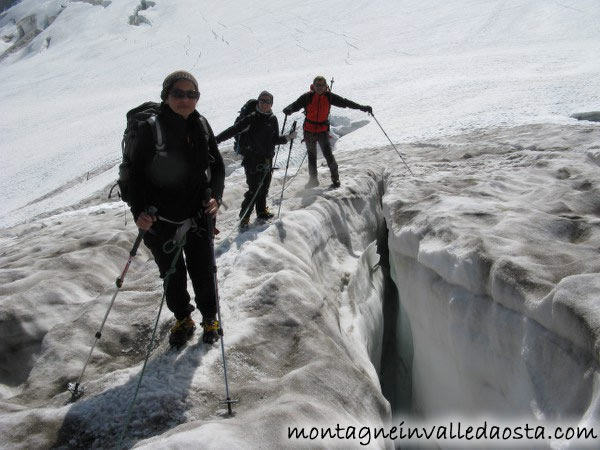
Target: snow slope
(493, 243)
(429, 68)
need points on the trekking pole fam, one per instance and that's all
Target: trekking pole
(75, 388)
(399, 154)
(210, 227)
(277, 153)
(247, 210)
(253, 199)
(295, 175)
(286, 169)
(177, 243)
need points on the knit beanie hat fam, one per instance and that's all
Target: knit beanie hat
(320, 78)
(174, 78)
(265, 94)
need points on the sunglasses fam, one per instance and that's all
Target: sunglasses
(180, 93)
(320, 85)
(266, 102)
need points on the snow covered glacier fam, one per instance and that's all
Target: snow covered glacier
(491, 318)
(494, 251)
(492, 245)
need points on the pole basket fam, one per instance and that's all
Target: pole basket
(228, 402)
(76, 391)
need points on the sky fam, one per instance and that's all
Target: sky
(492, 236)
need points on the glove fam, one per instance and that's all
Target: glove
(287, 111)
(291, 136)
(367, 109)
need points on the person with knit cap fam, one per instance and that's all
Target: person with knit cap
(317, 103)
(175, 181)
(260, 129)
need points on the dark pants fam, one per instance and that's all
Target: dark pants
(311, 140)
(254, 176)
(198, 263)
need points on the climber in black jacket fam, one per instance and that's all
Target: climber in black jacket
(259, 132)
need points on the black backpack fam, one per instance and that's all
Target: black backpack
(242, 140)
(146, 112)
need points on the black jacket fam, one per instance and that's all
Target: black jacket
(260, 139)
(175, 181)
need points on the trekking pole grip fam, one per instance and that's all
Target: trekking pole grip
(291, 131)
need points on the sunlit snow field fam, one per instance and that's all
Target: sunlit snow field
(493, 235)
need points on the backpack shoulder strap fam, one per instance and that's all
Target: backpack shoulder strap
(308, 97)
(157, 133)
(205, 127)
(211, 159)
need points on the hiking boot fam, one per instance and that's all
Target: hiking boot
(244, 223)
(312, 182)
(182, 331)
(211, 333)
(266, 214)
(335, 183)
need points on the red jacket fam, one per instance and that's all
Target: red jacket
(317, 114)
(316, 108)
